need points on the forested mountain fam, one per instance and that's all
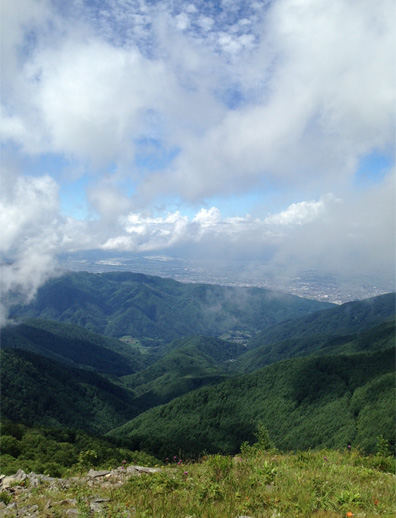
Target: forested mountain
(187, 364)
(74, 346)
(304, 403)
(37, 390)
(167, 388)
(158, 310)
(381, 336)
(346, 319)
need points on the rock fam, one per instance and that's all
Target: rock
(143, 469)
(72, 512)
(19, 476)
(28, 511)
(95, 474)
(11, 510)
(96, 508)
(67, 502)
(97, 505)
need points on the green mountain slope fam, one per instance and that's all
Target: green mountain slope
(39, 391)
(340, 320)
(73, 346)
(381, 336)
(146, 307)
(219, 351)
(187, 364)
(304, 403)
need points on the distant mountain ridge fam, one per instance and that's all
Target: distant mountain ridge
(339, 320)
(73, 346)
(160, 310)
(378, 337)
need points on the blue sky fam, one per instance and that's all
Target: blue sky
(267, 127)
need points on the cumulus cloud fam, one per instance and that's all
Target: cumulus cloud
(300, 213)
(314, 80)
(208, 227)
(324, 97)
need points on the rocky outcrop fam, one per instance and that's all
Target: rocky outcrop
(16, 490)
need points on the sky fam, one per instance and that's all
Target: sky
(256, 130)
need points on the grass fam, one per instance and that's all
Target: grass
(257, 484)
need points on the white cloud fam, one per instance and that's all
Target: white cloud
(26, 204)
(207, 218)
(108, 201)
(327, 90)
(29, 235)
(300, 213)
(144, 232)
(321, 76)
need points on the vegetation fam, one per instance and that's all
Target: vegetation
(74, 346)
(312, 401)
(163, 392)
(305, 403)
(341, 320)
(151, 308)
(186, 365)
(258, 482)
(61, 451)
(37, 390)
(381, 336)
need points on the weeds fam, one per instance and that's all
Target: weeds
(326, 484)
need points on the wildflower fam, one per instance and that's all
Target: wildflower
(325, 458)
(124, 461)
(349, 514)
(349, 448)
(179, 462)
(174, 458)
(186, 472)
(167, 458)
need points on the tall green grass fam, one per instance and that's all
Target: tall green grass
(257, 483)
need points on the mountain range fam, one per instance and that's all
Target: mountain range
(157, 310)
(169, 366)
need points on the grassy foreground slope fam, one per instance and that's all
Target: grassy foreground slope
(324, 484)
(305, 403)
(146, 307)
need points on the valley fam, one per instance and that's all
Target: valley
(138, 366)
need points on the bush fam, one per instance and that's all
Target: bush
(5, 497)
